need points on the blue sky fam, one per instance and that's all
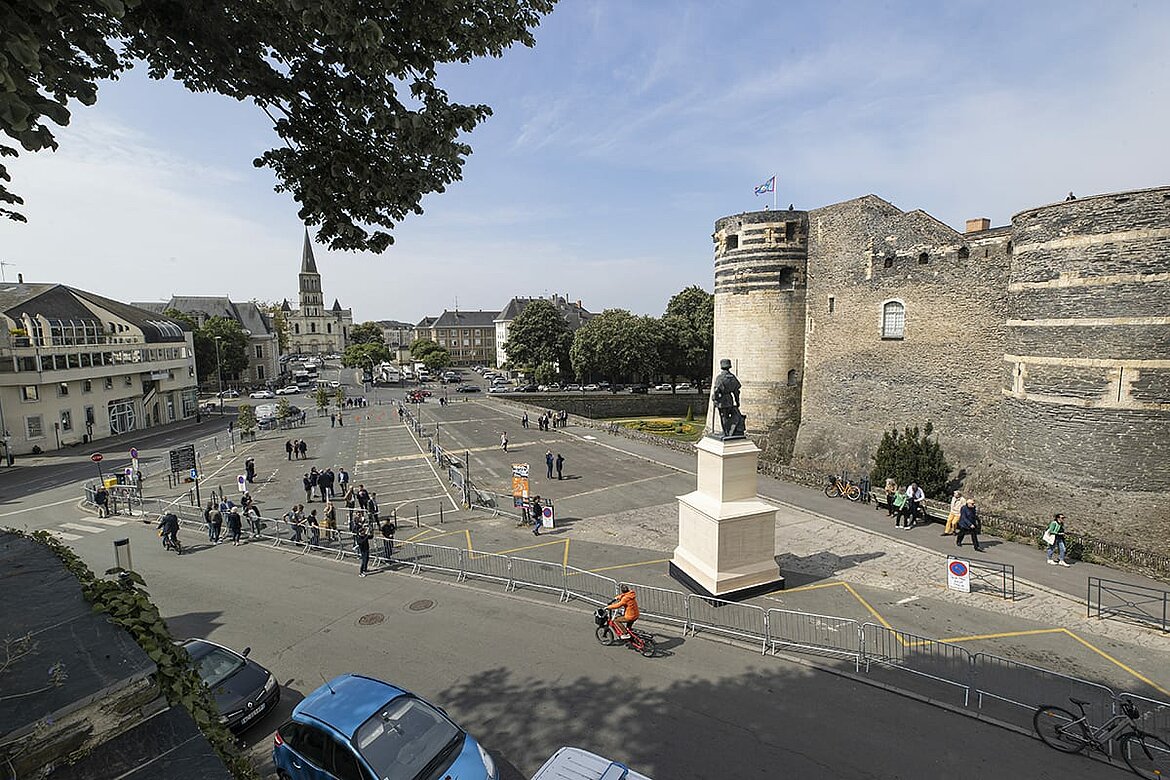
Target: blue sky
(617, 142)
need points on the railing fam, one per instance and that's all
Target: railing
(1133, 603)
(992, 576)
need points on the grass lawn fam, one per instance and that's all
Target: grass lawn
(667, 427)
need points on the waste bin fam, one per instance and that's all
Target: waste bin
(110, 481)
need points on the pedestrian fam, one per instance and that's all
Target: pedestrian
(372, 508)
(537, 516)
(101, 498)
(901, 508)
(329, 516)
(253, 515)
(235, 526)
(303, 447)
(560, 465)
(308, 484)
(969, 525)
(216, 524)
(953, 516)
(548, 461)
(362, 537)
(915, 503)
(1054, 536)
(250, 470)
(363, 497)
(288, 448)
(314, 529)
(315, 480)
(524, 421)
(207, 518)
(388, 529)
(504, 441)
(231, 426)
(342, 479)
(891, 491)
(333, 420)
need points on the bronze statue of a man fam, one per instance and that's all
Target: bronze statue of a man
(725, 395)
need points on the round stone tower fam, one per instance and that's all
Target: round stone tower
(1087, 374)
(760, 282)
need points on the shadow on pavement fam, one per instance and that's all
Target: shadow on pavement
(805, 569)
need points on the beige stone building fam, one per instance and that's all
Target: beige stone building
(470, 336)
(313, 329)
(77, 367)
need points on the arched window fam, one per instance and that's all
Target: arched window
(328, 327)
(893, 320)
(923, 259)
(787, 278)
(297, 328)
(792, 377)
(312, 327)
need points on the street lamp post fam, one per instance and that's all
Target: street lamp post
(219, 374)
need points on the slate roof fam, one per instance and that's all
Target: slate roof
(59, 301)
(465, 319)
(308, 262)
(140, 318)
(248, 314)
(337, 305)
(394, 324)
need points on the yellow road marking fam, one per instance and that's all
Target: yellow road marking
(623, 566)
(1113, 660)
(534, 546)
(818, 586)
(1002, 635)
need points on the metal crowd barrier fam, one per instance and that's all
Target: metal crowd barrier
(816, 633)
(1134, 603)
(730, 618)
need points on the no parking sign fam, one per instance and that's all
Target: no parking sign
(958, 575)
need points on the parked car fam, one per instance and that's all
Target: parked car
(640, 389)
(243, 689)
(356, 728)
(591, 388)
(570, 763)
(230, 394)
(467, 389)
(573, 388)
(684, 387)
(288, 390)
(526, 389)
(664, 386)
(261, 394)
(499, 389)
(334, 384)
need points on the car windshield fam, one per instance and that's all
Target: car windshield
(215, 664)
(408, 740)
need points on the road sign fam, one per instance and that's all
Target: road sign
(194, 474)
(958, 575)
(242, 484)
(96, 457)
(547, 518)
(183, 458)
(134, 453)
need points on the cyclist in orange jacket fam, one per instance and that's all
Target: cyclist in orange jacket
(627, 601)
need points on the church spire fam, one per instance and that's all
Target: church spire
(308, 264)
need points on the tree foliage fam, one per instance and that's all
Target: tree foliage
(246, 418)
(436, 359)
(233, 345)
(279, 322)
(365, 131)
(420, 347)
(365, 355)
(689, 325)
(538, 335)
(366, 333)
(618, 346)
(912, 456)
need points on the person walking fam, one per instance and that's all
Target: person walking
(253, 515)
(915, 503)
(250, 470)
(1054, 535)
(207, 518)
(362, 539)
(953, 516)
(235, 526)
(333, 420)
(969, 525)
(891, 491)
(504, 441)
(303, 448)
(314, 529)
(388, 529)
(101, 498)
(329, 516)
(288, 448)
(342, 479)
(216, 524)
(524, 421)
(548, 461)
(308, 484)
(537, 516)
(560, 465)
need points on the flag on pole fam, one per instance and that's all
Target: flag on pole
(768, 186)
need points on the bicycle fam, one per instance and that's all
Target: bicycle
(840, 486)
(1147, 755)
(609, 634)
(171, 543)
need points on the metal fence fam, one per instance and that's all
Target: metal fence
(1134, 603)
(994, 577)
(994, 686)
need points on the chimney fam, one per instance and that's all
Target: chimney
(978, 224)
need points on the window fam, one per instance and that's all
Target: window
(792, 377)
(789, 231)
(30, 393)
(964, 253)
(259, 350)
(63, 389)
(109, 383)
(66, 420)
(312, 327)
(122, 417)
(328, 327)
(342, 763)
(893, 320)
(787, 278)
(259, 372)
(731, 242)
(308, 741)
(923, 259)
(832, 304)
(889, 262)
(297, 328)
(35, 427)
(128, 381)
(86, 385)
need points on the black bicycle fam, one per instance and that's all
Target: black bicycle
(1147, 755)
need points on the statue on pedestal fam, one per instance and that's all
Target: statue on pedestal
(725, 395)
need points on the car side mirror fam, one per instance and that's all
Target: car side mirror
(246, 651)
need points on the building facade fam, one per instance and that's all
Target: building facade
(1039, 351)
(470, 336)
(574, 314)
(77, 367)
(312, 328)
(263, 349)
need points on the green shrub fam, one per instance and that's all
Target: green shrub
(690, 413)
(912, 456)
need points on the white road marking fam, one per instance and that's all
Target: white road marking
(40, 506)
(103, 521)
(80, 527)
(65, 535)
(907, 600)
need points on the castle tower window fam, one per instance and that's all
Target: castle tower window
(731, 242)
(893, 320)
(923, 259)
(832, 304)
(1009, 249)
(787, 278)
(964, 253)
(792, 377)
(297, 328)
(789, 231)
(889, 262)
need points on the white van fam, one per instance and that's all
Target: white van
(570, 763)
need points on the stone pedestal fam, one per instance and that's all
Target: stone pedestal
(726, 532)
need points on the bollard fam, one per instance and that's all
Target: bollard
(417, 524)
(440, 512)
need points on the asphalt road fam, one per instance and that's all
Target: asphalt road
(526, 676)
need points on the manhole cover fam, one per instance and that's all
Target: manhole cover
(372, 619)
(422, 605)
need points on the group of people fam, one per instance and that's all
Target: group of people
(905, 505)
(558, 462)
(325, 484)
(552, 419)
(296, 448)
(227, 512)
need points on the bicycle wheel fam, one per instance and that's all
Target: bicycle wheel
(1147, 755)
(648, 647)
(832, 490)
(1060, 730)
(605, 635)
(853, 493)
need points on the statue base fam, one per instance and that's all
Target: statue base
(726, 533)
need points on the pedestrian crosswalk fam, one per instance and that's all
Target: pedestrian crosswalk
(67, 532)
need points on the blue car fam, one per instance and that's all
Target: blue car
(358, 728)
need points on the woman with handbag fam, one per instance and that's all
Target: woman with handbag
(1054, 536)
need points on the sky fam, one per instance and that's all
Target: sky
(614, 146)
